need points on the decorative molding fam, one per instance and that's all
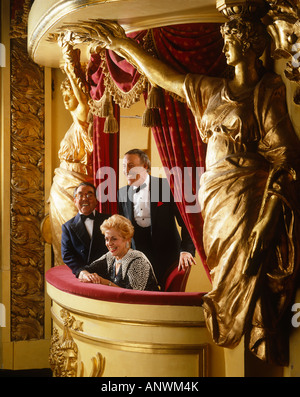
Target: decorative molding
(27, 184)
(64, 355)
(285, 32)
(242, 8)
(64, 348)
(136, 322)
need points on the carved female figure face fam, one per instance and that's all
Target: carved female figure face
(233, 50)
(240, 36)
(69, 99)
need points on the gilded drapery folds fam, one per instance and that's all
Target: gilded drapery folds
(236, 193)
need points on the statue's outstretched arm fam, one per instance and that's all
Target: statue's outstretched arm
(156, 71)
(108, 34)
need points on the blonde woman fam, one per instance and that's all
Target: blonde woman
(121, 266)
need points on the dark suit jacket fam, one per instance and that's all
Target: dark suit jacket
(165, 238)
(77, 248)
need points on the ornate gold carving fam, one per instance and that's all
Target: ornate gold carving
(70, 321)
(285, 31)
(89, 32)
(27, 184)
(241, 8)
(76, 148)
(98, 366)
(20, 12)
(64, 356)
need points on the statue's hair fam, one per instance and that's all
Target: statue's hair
(66, 85)
(251, 34)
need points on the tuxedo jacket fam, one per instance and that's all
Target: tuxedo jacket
(77, 248)
(165, 239)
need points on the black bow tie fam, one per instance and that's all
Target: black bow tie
(84, 217)
(139, 188)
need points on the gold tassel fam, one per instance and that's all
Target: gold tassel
(111, 125)
(105, 108)
(155, 99)
(150, 118)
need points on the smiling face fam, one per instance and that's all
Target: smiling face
(85, 199)
(134, 169)
(115, 243)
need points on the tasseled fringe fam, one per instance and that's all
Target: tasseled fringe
(106, 110)
(150, 118)
(154, 101)
(111, 125)
(105, 105)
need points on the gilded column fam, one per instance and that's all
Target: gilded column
(27, 183)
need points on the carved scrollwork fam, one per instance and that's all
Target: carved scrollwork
(64, 354)
(285, 31)
(70, 321)
(27, 183)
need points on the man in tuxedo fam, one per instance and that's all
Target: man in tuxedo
(82, 241)
(148, 203)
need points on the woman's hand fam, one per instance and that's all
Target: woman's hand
(86, 277)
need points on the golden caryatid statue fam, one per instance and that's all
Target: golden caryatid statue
(76, 148)
(248, 192)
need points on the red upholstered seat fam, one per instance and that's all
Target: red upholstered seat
(62, 278)
(176, 281)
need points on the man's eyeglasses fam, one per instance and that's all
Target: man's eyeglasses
(86, 195)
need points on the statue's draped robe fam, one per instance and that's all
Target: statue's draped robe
(252, 151)
(76, 166)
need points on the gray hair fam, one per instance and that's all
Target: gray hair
(142, 155)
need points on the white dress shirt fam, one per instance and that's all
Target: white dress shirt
(141, 205)
(89, 225)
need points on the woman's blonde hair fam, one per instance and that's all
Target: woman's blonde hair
(121, 224)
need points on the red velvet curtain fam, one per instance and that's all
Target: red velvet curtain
(106, 145)
(191, 48)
